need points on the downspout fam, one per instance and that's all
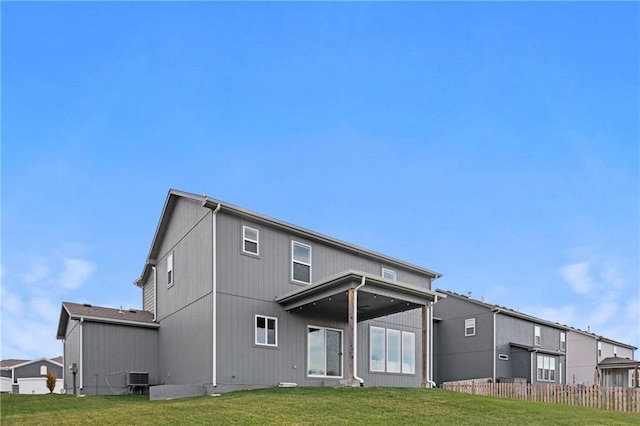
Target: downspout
(355, 332)
(214, 284)
(495, 314)
(430, 358)
(81, 353)
(155, 292)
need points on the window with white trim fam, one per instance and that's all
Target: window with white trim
(546, 368)
(599, 348)
(563, 341)
(300, 262)
(537, 338)
(392, 351)
(43, 370)
(266, 332)
(469, 327)
(503, 357)
(170, 270)
(250, 240)
(389, 274)
(615, 351)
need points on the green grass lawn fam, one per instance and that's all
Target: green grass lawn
(366, 406)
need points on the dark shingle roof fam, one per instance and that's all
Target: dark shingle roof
(11, 362)
(89, 311)
(615, 361)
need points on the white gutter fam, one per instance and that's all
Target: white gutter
(81, 353)
(155, 291)
(214, 285)
(355, 332)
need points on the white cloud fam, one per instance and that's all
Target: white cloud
(75, 273)
(578, 277)
(564, 314)
(38, 271)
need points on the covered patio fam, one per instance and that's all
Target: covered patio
(353, 296)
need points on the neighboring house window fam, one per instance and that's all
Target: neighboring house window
(43, 370)
(250, 239)
(563, 341)
(599, 348)
(537, 339)
(301, 262)
(615, 351)
(324, 352)
(470, 327)
(392, 351)
(546, 368)
(389, 274)
(503, 357)
(266, 331)
(170, 270)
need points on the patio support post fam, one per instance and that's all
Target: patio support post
(424, 346)
(350, 338)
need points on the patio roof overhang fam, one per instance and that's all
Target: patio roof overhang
(377, 298)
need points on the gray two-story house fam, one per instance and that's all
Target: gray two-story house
(233, 299)
(475, 340)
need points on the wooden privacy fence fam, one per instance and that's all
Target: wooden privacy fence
(617, 399)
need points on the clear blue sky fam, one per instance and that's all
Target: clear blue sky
(496, 143)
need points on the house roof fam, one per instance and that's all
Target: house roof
(536, 349)
(506, 311)
(602, 338)
(88, 312)
(378, 297)
(16, 363)
(615, 362)
(211, 203)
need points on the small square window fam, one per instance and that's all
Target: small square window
(389, 274)
(250, 240)
(266, 333)
(470, 327)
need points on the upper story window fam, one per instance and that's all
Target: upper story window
(470, 327)
(599, 348)
(266, 331)
(389, 274)
(250, 240)
(615, 351)
(300, 262)
(170, 270)
(43, 370)
(563, 341)
(537, 338)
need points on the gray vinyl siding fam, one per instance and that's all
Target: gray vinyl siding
(71, 354)
(148, 294)
(185, 344)
(110, 351)
(461, 357)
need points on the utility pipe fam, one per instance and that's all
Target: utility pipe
(355, 332)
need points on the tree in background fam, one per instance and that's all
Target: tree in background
(51, 381)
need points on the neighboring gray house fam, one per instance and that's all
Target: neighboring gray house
(239, 300)
(597, 360)
(475, 340)
(28, 376)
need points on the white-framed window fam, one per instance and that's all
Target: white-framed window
(43, 370)
(632, 378)
(300, 262)
(324, 352)
(266, 331)
(389, 274)
(537, 337)
(599, 348)
(615, 351)
(563, 341)
(250, 240)
(546, 367)
(470, 327)
(170, 270)
(392, 351)
(503, 357)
